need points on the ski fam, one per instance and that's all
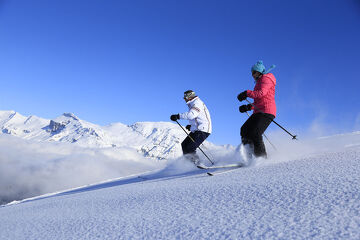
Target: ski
(236, 165)
(224, 171)
(212, 173)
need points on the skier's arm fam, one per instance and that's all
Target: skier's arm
(191, 114)
(265, 86)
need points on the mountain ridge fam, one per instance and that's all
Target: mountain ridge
(158, 140)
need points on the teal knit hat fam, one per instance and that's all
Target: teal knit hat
(259, 67)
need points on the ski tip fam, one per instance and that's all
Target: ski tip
(201, 167)
(210, 174)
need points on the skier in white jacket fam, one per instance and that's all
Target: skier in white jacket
(200, 125)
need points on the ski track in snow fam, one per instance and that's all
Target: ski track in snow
(316, 197)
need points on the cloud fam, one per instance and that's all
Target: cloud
(32, 168)
(319, 127)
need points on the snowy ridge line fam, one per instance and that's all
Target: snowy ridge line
(152, 139)
(341, 135)
(159, 140)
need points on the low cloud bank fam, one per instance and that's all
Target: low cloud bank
(32, 168)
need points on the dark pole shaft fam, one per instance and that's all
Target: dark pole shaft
(293, 136)
(194, 141)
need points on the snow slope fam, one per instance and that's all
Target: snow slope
(312, 195)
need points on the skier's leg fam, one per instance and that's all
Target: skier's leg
(246, 127)
(246, 138)
(199, 137)
(189, 148)
(259, 147)
(262, 122)
(186, 145)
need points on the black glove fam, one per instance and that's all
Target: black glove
(188, 127)
(175, 117)
(242, 96)
(245, 108)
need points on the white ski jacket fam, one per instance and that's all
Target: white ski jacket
(198, 116)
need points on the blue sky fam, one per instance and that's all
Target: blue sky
(130, 61)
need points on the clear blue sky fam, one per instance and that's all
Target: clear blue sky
(129, 61)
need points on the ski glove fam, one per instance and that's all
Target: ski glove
(175, 117)
(188, 127)
(245, 108)
(242, 96)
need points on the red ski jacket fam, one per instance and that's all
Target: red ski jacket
(264, 94)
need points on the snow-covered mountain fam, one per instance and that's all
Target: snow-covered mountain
(153, 139)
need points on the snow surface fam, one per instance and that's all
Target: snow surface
(305, 191)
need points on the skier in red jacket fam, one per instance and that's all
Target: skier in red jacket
(264, 108)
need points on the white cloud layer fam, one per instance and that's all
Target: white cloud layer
(32, 168)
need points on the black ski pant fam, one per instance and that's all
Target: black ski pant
(189, 146)
(253, 129)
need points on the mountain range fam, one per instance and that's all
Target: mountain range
(160, 140)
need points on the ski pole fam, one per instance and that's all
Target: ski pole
(194, 142)
(293, 136)
(266, 137)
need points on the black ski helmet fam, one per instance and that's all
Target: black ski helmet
(189, 94)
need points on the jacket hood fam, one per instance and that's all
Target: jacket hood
(269, 76)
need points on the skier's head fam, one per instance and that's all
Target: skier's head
(189, 95)
(256, 75)
(257, 70)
